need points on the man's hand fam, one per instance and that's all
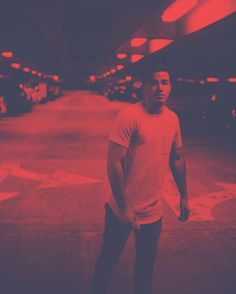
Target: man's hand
(127, 216)
(184, 210)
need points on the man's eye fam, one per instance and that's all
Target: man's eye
(162, 82)
(165, 82)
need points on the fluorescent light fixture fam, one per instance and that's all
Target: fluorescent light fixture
(177, 9)
(136, 57)
(158, 44)
(138, 42)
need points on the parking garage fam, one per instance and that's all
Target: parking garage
(67, 69)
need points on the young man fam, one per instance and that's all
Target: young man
(144, 142)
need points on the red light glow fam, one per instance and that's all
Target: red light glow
(212, 80)
(206, 13)
(137, 84)
(113, 70)
(137, 42)
(179, 79)
(34, 72)
(121, 55)
(92, 78)
(136, 57)
(15, 65)
(120, 66)
(128, 78)
(213, 97)
(7, 54)
(231, 80)
(233, 113)
(158, 44)
(55, 78)
(177, 9)
(26, 69)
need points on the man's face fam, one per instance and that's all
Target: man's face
(157, 89)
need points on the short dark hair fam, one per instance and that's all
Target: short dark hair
(149, 71)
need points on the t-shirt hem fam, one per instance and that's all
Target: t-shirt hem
(118, 142)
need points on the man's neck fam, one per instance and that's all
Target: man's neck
(153, 110)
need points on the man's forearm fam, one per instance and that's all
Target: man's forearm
(178, 169)
(116, 178)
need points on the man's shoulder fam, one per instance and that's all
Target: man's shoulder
(136, 107)
(131, 110)
(172, 114)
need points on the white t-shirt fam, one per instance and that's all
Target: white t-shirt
(149, 138)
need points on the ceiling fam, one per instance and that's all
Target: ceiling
(77, 38)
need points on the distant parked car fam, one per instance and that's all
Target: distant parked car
(13, 99)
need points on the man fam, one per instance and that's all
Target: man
(144, 142)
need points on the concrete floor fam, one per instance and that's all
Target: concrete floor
(52, 189)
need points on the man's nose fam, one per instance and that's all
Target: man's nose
(158, 86)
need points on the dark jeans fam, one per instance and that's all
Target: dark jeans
(114, 239)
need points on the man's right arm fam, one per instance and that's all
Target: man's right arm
(116, 155)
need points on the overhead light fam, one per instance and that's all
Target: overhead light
(92, 78)
(137, 42)
(128, 78)
(55, 78)
(7, 54)
(39, 74)
(233, 113)
(113, 70)
(189, 81)
(213, 97)
(121, 55)
(177, 9)
(136, 57)
(26, 69)
(207, 13)
(119, 66)
(15, 65)
(212, 80)
(34, 72)
(158, 44)
(231, 80)
(137, 84)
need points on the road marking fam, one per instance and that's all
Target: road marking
(5, 195)
(200, 207)
(57, 179)
(61, 178)
(14, 169)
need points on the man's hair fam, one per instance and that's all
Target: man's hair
(149, 71)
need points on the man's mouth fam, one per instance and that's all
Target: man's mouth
(159, 95)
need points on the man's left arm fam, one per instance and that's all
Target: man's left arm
(178, 169)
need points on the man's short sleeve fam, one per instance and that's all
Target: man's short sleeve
(178, 143)
(123, 129)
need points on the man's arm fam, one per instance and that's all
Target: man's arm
(116, 155)
(178, 169)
